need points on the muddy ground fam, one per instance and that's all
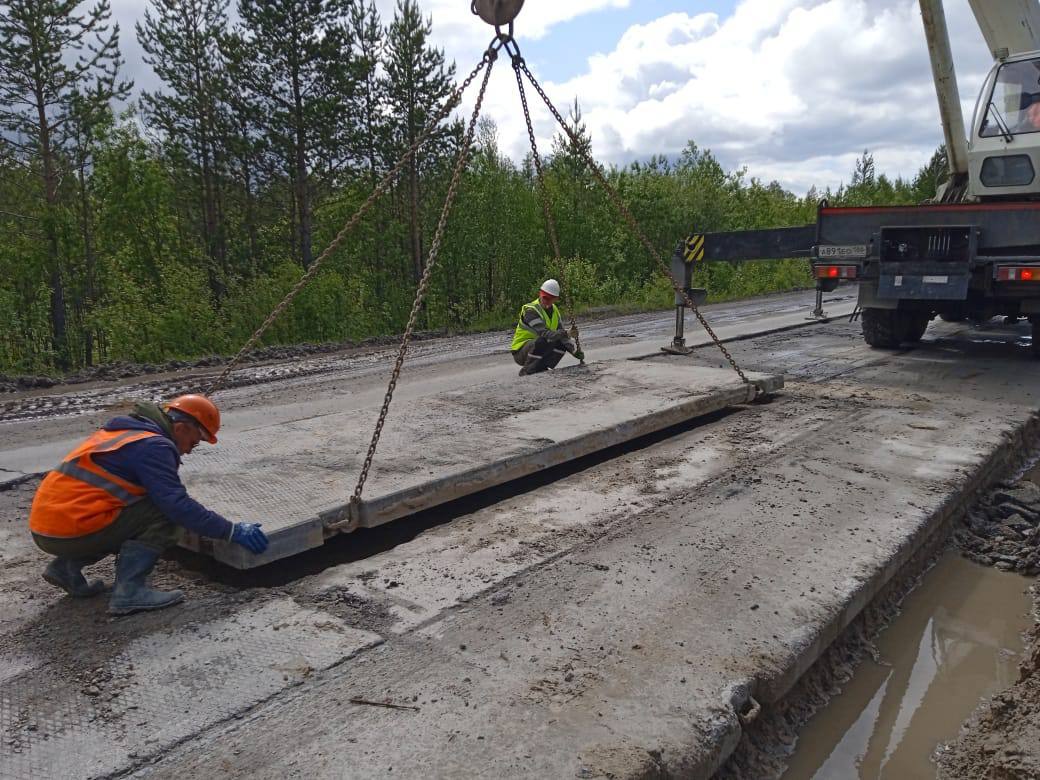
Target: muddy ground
(1002, 740)
(590, 624)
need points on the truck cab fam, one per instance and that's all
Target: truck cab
(1004, 151)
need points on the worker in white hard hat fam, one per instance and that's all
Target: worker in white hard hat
(540, 340)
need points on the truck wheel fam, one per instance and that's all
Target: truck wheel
(958, 317)
(913, 325)
(881, 328)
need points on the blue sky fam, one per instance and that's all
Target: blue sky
(565, 50)
(790, 90)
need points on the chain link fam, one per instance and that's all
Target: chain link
(550, 223)
(424, 282)
(615, 198)
(380, 189)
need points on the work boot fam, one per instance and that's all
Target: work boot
(66, 574)
(530, 366)
(130, 593)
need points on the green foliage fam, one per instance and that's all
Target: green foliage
(175, 233)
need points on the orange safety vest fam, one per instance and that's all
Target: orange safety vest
(79, 497)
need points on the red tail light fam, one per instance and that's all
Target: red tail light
(836, 271)
(1018, 273)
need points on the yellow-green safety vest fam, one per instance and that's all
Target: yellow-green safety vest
(523, 333)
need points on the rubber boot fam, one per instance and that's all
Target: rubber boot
(130, 594)
(66, 574)
(531, 364)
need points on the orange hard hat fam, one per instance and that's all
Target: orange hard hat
(201, 410)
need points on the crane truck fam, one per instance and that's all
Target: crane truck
(973, 252)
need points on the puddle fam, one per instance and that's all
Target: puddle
(957, 640)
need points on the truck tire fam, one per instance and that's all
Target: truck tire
(913, 324)
(881, 328)
(953, 317)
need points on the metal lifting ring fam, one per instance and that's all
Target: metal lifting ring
(497, 12)
(507, 42)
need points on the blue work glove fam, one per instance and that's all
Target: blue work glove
(250, 536)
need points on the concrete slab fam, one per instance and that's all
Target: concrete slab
(83, 724)
(610, 623)
(296, 476)
(622, 639)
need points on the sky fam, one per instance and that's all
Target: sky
(790, 90)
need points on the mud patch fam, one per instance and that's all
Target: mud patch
(766, 746)
(949, 647)
(1004, 529)
(355, 610)
(1002, 740)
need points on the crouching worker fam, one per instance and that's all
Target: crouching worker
(540, 340)
(119, 493)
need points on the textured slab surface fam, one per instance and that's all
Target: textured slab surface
(295, 477)
(87, 723)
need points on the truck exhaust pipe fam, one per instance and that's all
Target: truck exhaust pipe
(945, 78)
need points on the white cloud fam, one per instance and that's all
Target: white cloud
(791, 90)
(462, 33)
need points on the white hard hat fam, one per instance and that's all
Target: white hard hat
(552, 287)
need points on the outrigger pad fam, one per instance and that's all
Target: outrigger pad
(296, 477)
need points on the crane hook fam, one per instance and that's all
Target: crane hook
(497, 12)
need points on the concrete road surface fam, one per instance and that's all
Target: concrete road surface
(616, 617)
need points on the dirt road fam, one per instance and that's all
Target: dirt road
(617, 617)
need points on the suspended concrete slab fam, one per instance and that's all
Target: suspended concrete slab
(297, 477)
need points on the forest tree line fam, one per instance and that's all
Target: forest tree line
(171, 228)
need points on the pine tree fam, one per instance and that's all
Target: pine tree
(865, 172)
(53, 58)
(367, 33)
(89, 120)
(568, 155)
(574, 178)
(418, 84)
(373, 140)
(181, 43)
(298, 69)
(932, 175)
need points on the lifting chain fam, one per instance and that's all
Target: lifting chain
(550, 223)
(354, 513)
(615, 198)
(381, 188)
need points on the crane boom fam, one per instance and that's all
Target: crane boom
(1009, 26)
(945, 78)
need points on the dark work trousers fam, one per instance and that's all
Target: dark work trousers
(142, 522)
(538, 355)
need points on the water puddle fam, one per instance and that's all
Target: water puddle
(957, 640)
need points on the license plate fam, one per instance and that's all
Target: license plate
(935, 279)
(842, 252)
